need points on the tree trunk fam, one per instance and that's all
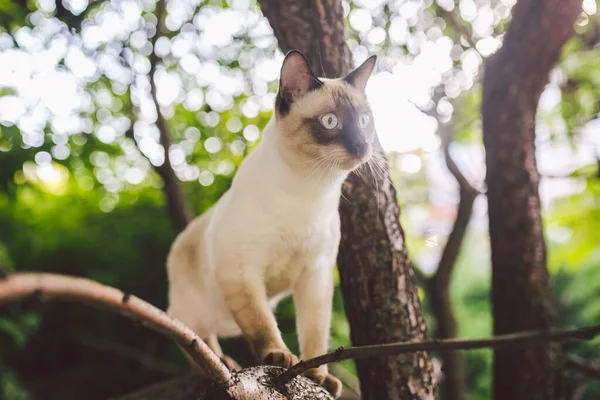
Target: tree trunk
(377, 280)
(513, 82)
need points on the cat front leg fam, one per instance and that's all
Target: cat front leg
(247, 300)
(313, 298)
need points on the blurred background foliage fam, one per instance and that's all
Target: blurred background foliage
(79, 196)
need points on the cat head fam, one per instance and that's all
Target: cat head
(327, 121)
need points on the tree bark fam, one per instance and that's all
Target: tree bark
(377, 280)
(513, 82)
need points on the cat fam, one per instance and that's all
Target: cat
(276, 231)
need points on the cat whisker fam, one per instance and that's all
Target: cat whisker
(316, 80)
(376, 182)
(317, 166)
(309, 161)
(321, 62)
(324, 88)
(327, 170)
(322, 164)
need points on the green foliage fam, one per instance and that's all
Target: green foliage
(12, 14)
(467, 122)
(574, 227)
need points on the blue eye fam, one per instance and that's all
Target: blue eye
(363, 120)
(329, 120)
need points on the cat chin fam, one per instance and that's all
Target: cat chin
(351, 163)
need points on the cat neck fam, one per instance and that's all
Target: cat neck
(297, 178)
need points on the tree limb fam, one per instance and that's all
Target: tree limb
(438, 285)
(42, 287)
(451, 18)
(579, 364)
(178, 209)
(467, 196)
(141, 357)
(582, 383)
(188, 387)
(453, 364)
(520, 339)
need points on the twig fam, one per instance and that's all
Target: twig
(521, 339)
(581, 384)
(581, 365)
(439, 284)
(467, 196)
(451, 18)
(178, 208)
(42, 287)
(140, 356)
(347, 378)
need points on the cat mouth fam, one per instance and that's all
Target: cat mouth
(353, 161)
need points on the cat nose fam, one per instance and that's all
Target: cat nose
(359, 147)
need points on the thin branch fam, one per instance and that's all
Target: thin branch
(520, 339)
(452, 19)
(137, 355)
(581, 384)
(182, 388)
(347, 378)
(439, 284)
(42, 287)
(177, 206)
(579, 364)
(467, 197)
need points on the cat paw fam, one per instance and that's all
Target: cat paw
(329, 382)
(280, 358)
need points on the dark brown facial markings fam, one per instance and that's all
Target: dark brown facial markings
(351, 136)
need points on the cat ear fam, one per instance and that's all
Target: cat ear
(297, 79)
(359, 77)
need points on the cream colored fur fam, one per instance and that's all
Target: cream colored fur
(275, 232)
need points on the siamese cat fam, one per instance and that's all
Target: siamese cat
(276, 231)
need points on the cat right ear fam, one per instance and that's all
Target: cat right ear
(296, 80)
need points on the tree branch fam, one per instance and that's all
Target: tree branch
(520, 339)
(438, 285)
(467, 196)
(452, 19)
(188, 387)
(453, 364)
(42, 287)
(579, 364)
(581, 384)
(177, 206)
(143, 358)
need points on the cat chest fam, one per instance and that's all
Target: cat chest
(293, 256)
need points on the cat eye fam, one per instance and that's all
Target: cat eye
(329, 120)
(363, 120)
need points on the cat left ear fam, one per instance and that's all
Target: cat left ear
(360, 76)
(297, 78)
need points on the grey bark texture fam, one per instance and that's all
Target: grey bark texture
(377, 281)
(513, 81)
